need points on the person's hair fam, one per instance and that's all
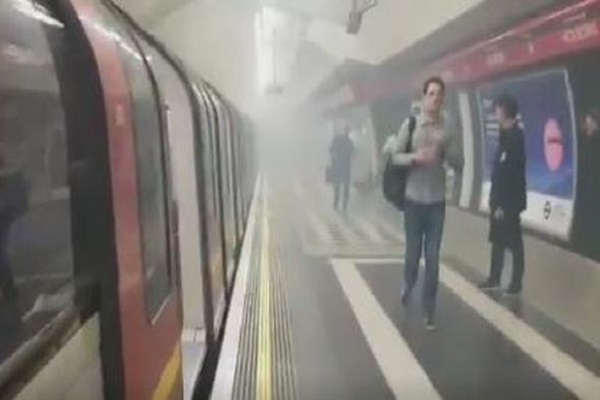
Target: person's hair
(507, 103)
(434, 80)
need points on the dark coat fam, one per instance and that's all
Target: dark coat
(509, 188)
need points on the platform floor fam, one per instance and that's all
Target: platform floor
(316, 311)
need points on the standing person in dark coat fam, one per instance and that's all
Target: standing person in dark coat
(508, 197)
(341, 151)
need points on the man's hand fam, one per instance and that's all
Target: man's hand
(425, 157)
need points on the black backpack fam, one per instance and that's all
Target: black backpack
(395, 176)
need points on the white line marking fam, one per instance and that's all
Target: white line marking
(367, 226)
(344, 228)
(391, 230)
(579, 380)
(318, 227)
(402, 371)
(564, 368)
(223, 383)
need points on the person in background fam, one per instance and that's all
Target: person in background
(425, 206)
(508, 197)
(341, 151)
(586, 227)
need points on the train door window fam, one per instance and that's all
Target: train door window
(227, 202)
(36, 252)
(210, 151)
(216, 143)
(151, 174)
(213, 202)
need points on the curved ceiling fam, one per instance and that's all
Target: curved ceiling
(391, 33)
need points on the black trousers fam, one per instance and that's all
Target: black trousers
(514, 244)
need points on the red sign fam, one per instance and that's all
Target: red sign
(567, 31)
(527, 51)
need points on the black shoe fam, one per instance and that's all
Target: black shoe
(430, 323)
(489, 285)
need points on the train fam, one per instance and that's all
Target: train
(125, 186)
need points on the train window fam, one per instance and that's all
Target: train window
(36, 253)
(151, 177)
(209, 152)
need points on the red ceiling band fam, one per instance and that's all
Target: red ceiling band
(570, 30)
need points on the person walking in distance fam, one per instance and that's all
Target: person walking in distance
(425, 206)
(508, 197)
(341, 151)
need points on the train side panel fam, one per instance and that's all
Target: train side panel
(148, 304)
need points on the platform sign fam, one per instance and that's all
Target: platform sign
(547, 118)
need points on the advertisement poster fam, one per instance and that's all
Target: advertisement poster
(547, 118)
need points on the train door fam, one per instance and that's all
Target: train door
(223, 159)
(180, 127)
(213, 208)
(237, 173)
(145, 315)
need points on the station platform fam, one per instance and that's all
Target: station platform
(316, 311)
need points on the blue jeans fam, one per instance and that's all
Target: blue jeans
(423, 227)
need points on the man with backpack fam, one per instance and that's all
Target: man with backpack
(422, 146)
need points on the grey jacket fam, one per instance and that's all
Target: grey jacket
(426, 184)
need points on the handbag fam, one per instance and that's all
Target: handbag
(395, 176)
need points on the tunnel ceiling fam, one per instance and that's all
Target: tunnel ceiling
(392, 33)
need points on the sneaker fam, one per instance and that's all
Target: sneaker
(430, 324)
(489, 285)
(512, 291)
(405, 297)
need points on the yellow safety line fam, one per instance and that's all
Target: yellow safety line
(169, 377)
(263, 381)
